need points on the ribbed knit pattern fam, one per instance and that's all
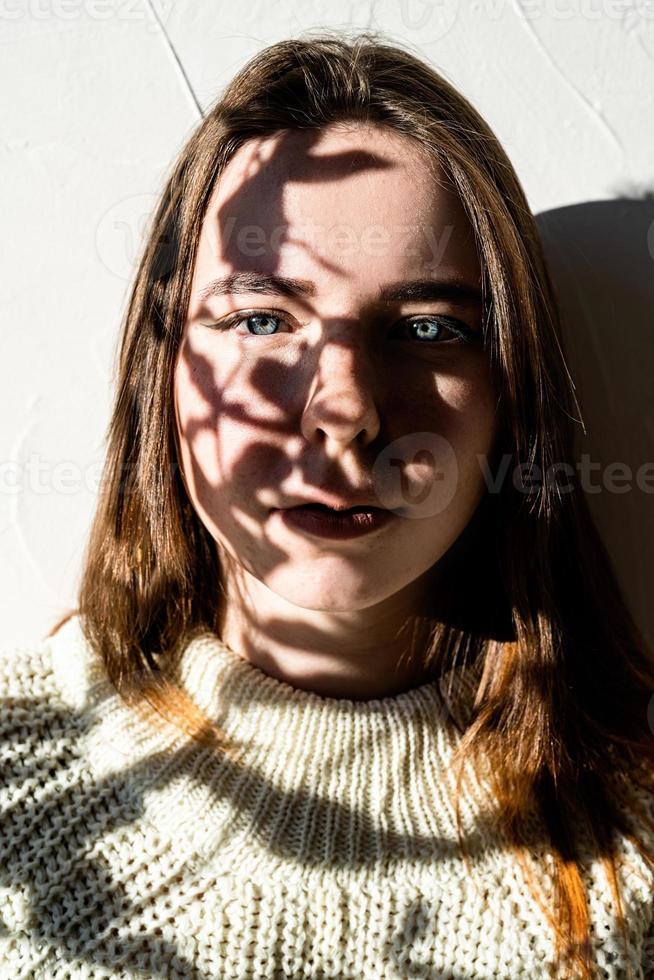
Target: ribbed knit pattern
(328, 848)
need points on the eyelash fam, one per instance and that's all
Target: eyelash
(463, 333)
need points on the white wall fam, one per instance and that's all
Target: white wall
(98, 97)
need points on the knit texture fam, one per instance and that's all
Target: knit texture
(327, 848)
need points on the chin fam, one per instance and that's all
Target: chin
(330, 593)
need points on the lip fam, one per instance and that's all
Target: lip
(344, 502)
(335, 526)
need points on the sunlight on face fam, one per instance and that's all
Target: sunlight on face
(334, 383)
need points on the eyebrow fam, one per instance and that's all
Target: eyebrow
(451, 288)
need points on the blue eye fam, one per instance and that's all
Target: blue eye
(264, 315)
(429, 328)
(231, 322)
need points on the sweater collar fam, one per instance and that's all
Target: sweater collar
(318, 778)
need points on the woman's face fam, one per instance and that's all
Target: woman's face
(354, 385)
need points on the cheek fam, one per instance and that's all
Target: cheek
(472, 426)
(457, 403)
(456, 411)
(199, 404)
(226, 450)
(472, 429)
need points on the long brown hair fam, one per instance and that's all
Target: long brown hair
(560, 716)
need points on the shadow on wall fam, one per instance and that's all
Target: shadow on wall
(601, 257)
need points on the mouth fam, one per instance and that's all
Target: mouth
(329, 522)
(322, 508)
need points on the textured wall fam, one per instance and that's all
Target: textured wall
(98, 96)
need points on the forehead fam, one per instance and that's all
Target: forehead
(353, 195)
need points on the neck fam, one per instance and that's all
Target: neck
(359, 654)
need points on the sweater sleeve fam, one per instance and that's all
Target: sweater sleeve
(645, 802)
(38, 738)
(637, 873)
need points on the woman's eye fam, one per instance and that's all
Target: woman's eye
(428, 329)
(434, 329)
(261, 322)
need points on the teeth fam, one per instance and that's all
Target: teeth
(348, 510)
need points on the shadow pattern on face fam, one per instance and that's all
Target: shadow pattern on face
(266, 381)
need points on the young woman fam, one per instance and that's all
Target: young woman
(350, 690)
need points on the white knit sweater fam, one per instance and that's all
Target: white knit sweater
(329, 849)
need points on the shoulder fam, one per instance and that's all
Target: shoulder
(47, 787)
(43, 689)
(26, 670)
(633, 794)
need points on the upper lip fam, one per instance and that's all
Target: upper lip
(344, 502)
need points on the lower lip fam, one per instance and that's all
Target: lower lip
(330, 524)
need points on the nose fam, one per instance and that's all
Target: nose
(341, 407)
